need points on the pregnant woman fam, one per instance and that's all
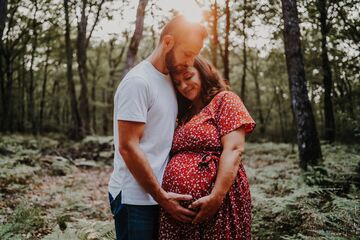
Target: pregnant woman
(206, 158)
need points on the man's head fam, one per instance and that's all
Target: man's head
(182, 41)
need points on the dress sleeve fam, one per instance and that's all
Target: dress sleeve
(231, 114)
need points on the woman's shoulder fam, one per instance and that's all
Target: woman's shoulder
(225, 96)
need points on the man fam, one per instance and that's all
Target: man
(145, 111)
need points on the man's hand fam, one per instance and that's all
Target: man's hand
(171, 205)
(207, 206)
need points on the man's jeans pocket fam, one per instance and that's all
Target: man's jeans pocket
(115, 204)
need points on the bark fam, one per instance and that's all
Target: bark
(3, 12)
(22, 90)
(243, 78)
(77, 131)
(43, 91)
(54, 112)
(7, 95)
(255, 74)
(307, 137)
(31, 102)
(327, 75)
(105, 116)
(279, 99)
(135, 40)
(214, 33)
(226, 43)
(82, 45)
(3, 15)
(82, 68)
(95, 78)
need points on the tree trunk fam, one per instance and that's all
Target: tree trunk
(82, 45)
(22, 90)
(255, 74)
(105, 116)
(226, 43)
(95, 78)
(54, 112)
(279, 98)
(135, 40)
(214, 33)
(3, 14)
(328, 106)
(43, 92)
(8, 95)
(307, 137)
(77, 131)
(243, 79)
(31, 102)
(81, 59)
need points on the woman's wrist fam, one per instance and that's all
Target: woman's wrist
(217, 196)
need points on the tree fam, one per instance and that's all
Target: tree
(81, 47)
(254, 71)
(77, 131)
(322, 7)
(3, 12)
(226, 42)
(243, 78)
(3, 15)
(135, 39)
(12, 46)
(214, 40)
(43, 91)
(34, 45)
(308, 141)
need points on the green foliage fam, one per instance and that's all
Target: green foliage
(24, 221)
(322, 203)
(84, 230)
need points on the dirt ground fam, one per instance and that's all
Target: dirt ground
(55, 189)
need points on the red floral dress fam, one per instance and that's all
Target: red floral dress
(192, 170)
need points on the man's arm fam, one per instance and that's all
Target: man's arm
(130, 134)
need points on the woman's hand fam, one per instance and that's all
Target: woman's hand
(230, 159)
(207, 207)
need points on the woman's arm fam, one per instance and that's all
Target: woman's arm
(233, 148)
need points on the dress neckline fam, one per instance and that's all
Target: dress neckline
(183, 124)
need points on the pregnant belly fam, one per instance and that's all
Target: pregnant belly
(186, 175)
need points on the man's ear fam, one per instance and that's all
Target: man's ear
(168, 42)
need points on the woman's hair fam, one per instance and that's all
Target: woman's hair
(211, 84)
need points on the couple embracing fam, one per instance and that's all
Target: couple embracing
(179, 136)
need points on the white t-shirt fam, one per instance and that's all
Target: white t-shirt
(144, 95)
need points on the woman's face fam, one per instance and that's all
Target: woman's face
(188, 84)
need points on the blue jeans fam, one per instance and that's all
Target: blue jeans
(134, 222)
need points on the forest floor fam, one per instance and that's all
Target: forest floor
(52, 188)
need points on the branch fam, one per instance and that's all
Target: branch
(95, 22)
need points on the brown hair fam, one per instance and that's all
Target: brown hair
(211, 84)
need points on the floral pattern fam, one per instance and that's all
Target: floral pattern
(193, 166)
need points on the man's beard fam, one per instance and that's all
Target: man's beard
(171, 63)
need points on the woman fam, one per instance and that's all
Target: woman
(206, 158)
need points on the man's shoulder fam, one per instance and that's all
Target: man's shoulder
(136, 75)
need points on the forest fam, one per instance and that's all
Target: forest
(294, 64)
